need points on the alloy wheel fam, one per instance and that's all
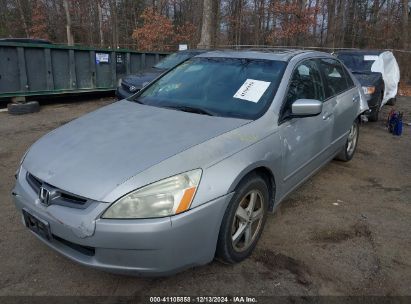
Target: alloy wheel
(352, 139)
(248, 220)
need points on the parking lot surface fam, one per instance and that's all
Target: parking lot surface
(347, 231)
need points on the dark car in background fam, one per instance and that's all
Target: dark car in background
(359, 62)
(133, 83)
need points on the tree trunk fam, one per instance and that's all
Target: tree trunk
(206, 28)
(215, 22)
(70, 40)
(405, 25)
(322, 25)
(315, 26)
(349, 28)
(340, 23)
(330, 39)
(100, 23)
(23, 19)
(114, 23)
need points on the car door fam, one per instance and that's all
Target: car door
(305, 140)
(344, 96)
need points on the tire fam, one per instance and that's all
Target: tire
(392, 101)
(374, 115)
(23, 108)
(350, 146)
(230, 251)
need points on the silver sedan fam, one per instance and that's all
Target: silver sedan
(188, 168)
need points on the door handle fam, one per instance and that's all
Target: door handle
(356, 98)
(327, 116)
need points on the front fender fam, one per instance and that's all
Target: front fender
(222, 178)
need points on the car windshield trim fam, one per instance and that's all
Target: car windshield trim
(228, 76)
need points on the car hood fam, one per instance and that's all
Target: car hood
(140, 78)
(92, 155)
(367, 79)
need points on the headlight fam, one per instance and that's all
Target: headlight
(166, 197)
(368, 90)
(133, 89)
(119, 82)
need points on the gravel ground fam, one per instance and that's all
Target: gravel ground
(347, 231)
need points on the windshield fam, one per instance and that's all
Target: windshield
(172, 60)
(358, 62)
(229, 87)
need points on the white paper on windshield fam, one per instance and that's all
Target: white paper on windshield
(252, 90)
(370, 57)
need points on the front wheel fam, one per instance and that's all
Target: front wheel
(243, 220)
(351, 144)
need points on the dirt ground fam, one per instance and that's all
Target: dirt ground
(347, 231)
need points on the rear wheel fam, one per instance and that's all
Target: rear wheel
(392, 101)
(375, 113)
(351, 144)
(243, 220)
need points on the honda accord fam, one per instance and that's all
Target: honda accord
(187, 169)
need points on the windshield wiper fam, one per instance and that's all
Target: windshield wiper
(190, 109)
(138, 101)
(361, 72)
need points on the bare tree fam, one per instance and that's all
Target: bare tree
(405, 24)
(206, 28)
(70, 39)
(114, 23)
(326, 23)
(100, 23)
(23, 18)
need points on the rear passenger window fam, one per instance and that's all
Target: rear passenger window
(335, 77)
(305, 84)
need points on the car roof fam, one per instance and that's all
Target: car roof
(360, 52)
(193, 51)
(267, 54)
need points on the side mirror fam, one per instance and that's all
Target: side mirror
(306, 107)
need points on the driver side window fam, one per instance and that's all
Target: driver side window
(305, 83)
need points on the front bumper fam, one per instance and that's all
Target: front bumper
(154, 247)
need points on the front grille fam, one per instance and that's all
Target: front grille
(73, 199)
(59, 197)
(34, 182)
(86, 250)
